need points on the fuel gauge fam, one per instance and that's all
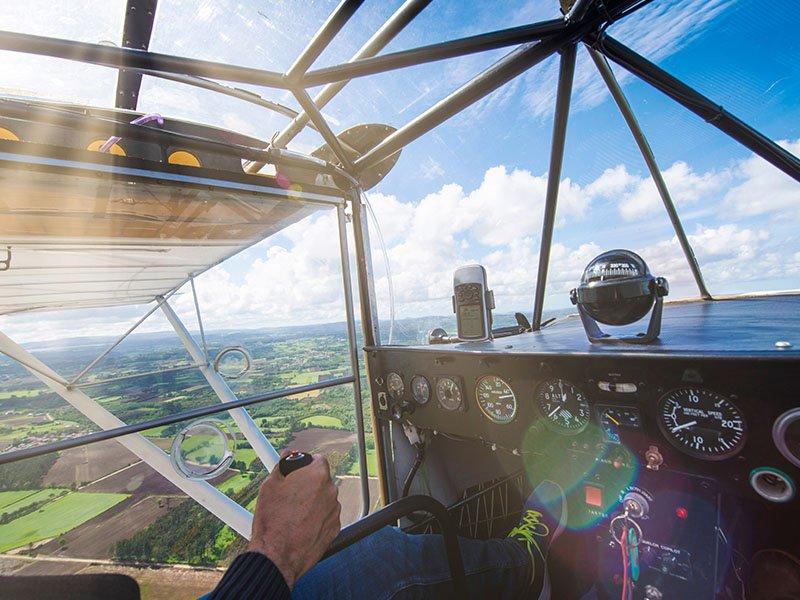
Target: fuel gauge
(614, 418)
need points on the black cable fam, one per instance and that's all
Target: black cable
(420, 458)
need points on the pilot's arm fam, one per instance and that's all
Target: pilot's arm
(295, 521)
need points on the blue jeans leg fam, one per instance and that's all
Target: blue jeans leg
(393, 564)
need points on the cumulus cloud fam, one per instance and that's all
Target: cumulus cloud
(763, 189)
(639, 196)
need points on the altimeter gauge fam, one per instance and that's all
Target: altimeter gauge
(448, 393)
(395, 385)
(563, 406)
(496, 399)
(701, 423)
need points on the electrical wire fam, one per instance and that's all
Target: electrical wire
(625, 566)
(386, 264)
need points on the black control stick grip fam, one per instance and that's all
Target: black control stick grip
(293, 461)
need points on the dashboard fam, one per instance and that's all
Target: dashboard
(711, 417)
(700, 431)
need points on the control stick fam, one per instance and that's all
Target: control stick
(293, 461)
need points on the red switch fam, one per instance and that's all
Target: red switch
(593, 495)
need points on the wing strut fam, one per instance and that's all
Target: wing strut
(136, 32)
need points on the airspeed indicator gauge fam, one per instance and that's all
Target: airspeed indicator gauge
(448, 393)
(563, 406)
(701, 423)
(496, 399)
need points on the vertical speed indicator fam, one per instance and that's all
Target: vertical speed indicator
(702, 423)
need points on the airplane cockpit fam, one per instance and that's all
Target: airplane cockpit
(660, 396)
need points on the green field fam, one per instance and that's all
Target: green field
(56, 518)
(236, 483)
(11, 501)
(323, 421)
(372, 464)
(8, 498)
(19, 394)
(247, 455)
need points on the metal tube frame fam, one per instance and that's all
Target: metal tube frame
(264, 450)
(581, 24)
(116, 343)
(566, 76)
(234, 515)
(655, 172)
(363, 67)
(394, 25)
(352, 345)
(187, 415)
(699, 104)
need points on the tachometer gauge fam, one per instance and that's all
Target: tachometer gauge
(701, 423)
(448, 393)
(420, 389)
(496, 399)
(395, 385)
(563, 405)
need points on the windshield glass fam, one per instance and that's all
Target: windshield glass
(470, 191)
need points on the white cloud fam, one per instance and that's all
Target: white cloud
(763, 189)
(641, 197)
(728, 253)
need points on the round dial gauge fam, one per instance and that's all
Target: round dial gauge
(421, 389)
(395, 385)
(701, 423)
(496, 399)
(563, 405)
(448, 393)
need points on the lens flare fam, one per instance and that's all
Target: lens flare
(593, 472)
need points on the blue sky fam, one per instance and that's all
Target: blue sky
(472, 190)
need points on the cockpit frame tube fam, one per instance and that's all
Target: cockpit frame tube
(566, 75)
(699, 104)
(352, 345)
(655, 172)
(205, 494)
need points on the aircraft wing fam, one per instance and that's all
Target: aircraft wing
(97, 234)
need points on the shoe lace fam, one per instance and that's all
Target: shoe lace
(529, 528)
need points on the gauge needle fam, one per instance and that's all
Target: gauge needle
(504, 396)
(684, 426)
(612, 419)
(563, 395)
(555, 410)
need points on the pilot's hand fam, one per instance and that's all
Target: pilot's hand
(296, 518)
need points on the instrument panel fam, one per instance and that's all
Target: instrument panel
(712, 417)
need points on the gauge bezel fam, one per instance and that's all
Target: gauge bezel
(459, 384)
(675, 443)
(414, 390)
(549, 423)
(486, 414)
(779, 428)
(402, 383)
